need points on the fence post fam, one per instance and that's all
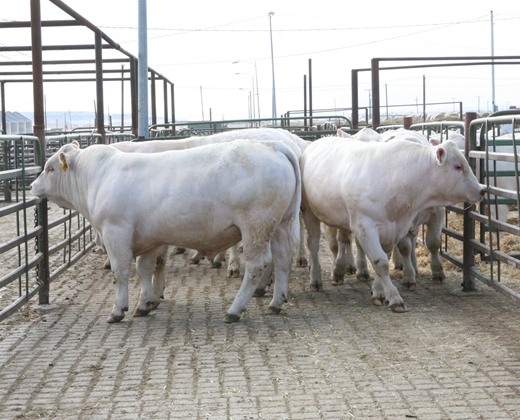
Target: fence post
(468, 256)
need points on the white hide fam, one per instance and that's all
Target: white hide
(138, 202)
(375, 190)
(296, 143)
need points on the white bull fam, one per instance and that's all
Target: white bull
(375, 190)
(138, 202)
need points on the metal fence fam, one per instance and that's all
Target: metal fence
(38, 241)
(484, 241)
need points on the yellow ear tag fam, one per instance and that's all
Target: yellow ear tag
(64, 166)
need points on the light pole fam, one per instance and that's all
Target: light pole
(252, 90)
(271, 14)
(256, 83)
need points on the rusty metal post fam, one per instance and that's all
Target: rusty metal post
(100, 106)
(468, 255)
(407, 122)
(376, 115)
(39, 131)
(355, 98)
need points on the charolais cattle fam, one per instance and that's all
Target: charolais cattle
(375, 190)
(296, 143)
(260, 207)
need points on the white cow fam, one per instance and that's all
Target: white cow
(134, 215)
(375, 190)
(296, 143)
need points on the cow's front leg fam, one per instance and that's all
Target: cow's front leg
(433, 243)
(383, 290)
(159, 278)
(362, 273)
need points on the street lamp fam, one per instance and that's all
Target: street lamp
(256, 83)
(252, 90)
(274, 114)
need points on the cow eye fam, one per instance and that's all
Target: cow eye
(459, 167)
(49, 169)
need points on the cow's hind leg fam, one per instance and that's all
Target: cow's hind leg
(121, 261)
(312, 224)
(257, 257)
(145, 266)
(233, 269)
(406, 249)
(159, 278)
(383, 290)
(282, 262)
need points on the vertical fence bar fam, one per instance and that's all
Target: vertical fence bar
(42, 244)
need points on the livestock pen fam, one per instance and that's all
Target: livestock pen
(475, 240)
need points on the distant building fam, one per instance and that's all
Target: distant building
(17, 123)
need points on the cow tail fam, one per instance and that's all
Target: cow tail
(293, 212)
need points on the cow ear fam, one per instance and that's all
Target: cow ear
(63, 162)
(441, 155)
(435, 142)
(75, 143)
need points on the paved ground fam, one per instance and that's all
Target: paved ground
(328, 355)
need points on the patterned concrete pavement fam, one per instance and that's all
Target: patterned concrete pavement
(328, 355)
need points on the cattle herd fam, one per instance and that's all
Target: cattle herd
(254, 186)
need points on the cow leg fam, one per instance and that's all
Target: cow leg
(257, 259)
(433, 243)
(341, 246)
(196, 257)
(282, 261)
(397, 259)
(121, 262)
(145, 266)
(216, 262)
(406, 249)
(265, 281)
(361, 263)
(312, 224)
(383, 290)
(301, 261)
(158, 279)
(233, 269)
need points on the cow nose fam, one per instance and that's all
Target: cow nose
(483, 192)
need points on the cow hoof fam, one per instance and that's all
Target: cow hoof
(302, 262)
(152, 305)
(141, 312)
(231, 318)
(112, 319)
(275, 310)
(233, 274)
(216, 265)
(438, 278)
(316, 288)
(180, 250)
(107, 265)
(337, 280)
(351, 270)
(363, 277)
(376, 301)
(259, 292)
(399, 308)
(409, 287)
(193, 261)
